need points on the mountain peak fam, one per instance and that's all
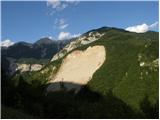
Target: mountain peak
(104, 29)
(22, 43)
(45, 40)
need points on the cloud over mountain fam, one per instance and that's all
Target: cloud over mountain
(66, 35)
(6, 43)
(142, 28)
(154, 25)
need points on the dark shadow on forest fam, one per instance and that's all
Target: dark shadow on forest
(34, 101)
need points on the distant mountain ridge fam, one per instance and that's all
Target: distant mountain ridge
(45, 40)
(44, 46)
(23, 54)
(104, 73)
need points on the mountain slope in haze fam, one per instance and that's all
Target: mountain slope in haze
(124, 86)
(42, 49)
(22, 55)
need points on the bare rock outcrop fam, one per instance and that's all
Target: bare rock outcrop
(82, 40)
(78, 68)
(28, 67)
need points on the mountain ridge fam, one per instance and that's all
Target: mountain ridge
(124, 86)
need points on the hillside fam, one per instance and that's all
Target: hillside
(44, 48)
(22, 55)
(124, 86)
(131, 68)
(78, 68)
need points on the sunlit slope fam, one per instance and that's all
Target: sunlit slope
(130, 70)
(78, 68)
(131, 67)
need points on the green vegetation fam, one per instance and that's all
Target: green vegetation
(121, 88)
(10, 113)
(122, 72)
(32, 61)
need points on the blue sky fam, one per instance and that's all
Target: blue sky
(29, 21)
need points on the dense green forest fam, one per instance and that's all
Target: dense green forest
(121, 88)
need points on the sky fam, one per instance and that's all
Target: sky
(31, 20)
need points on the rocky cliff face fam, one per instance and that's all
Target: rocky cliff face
(23, 56)
(78, 68)
(28, 67)
(11, 66)
(80, 41)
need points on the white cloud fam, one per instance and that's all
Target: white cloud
(50, 37)
(55, 4)
(61, 23)
(154, 25)
(63, 26)
(74, 2)
(6, 43)
(75, 35)
(67, 35)
(63, 35)
(59, 5)
(142, 28)
(138, 28)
